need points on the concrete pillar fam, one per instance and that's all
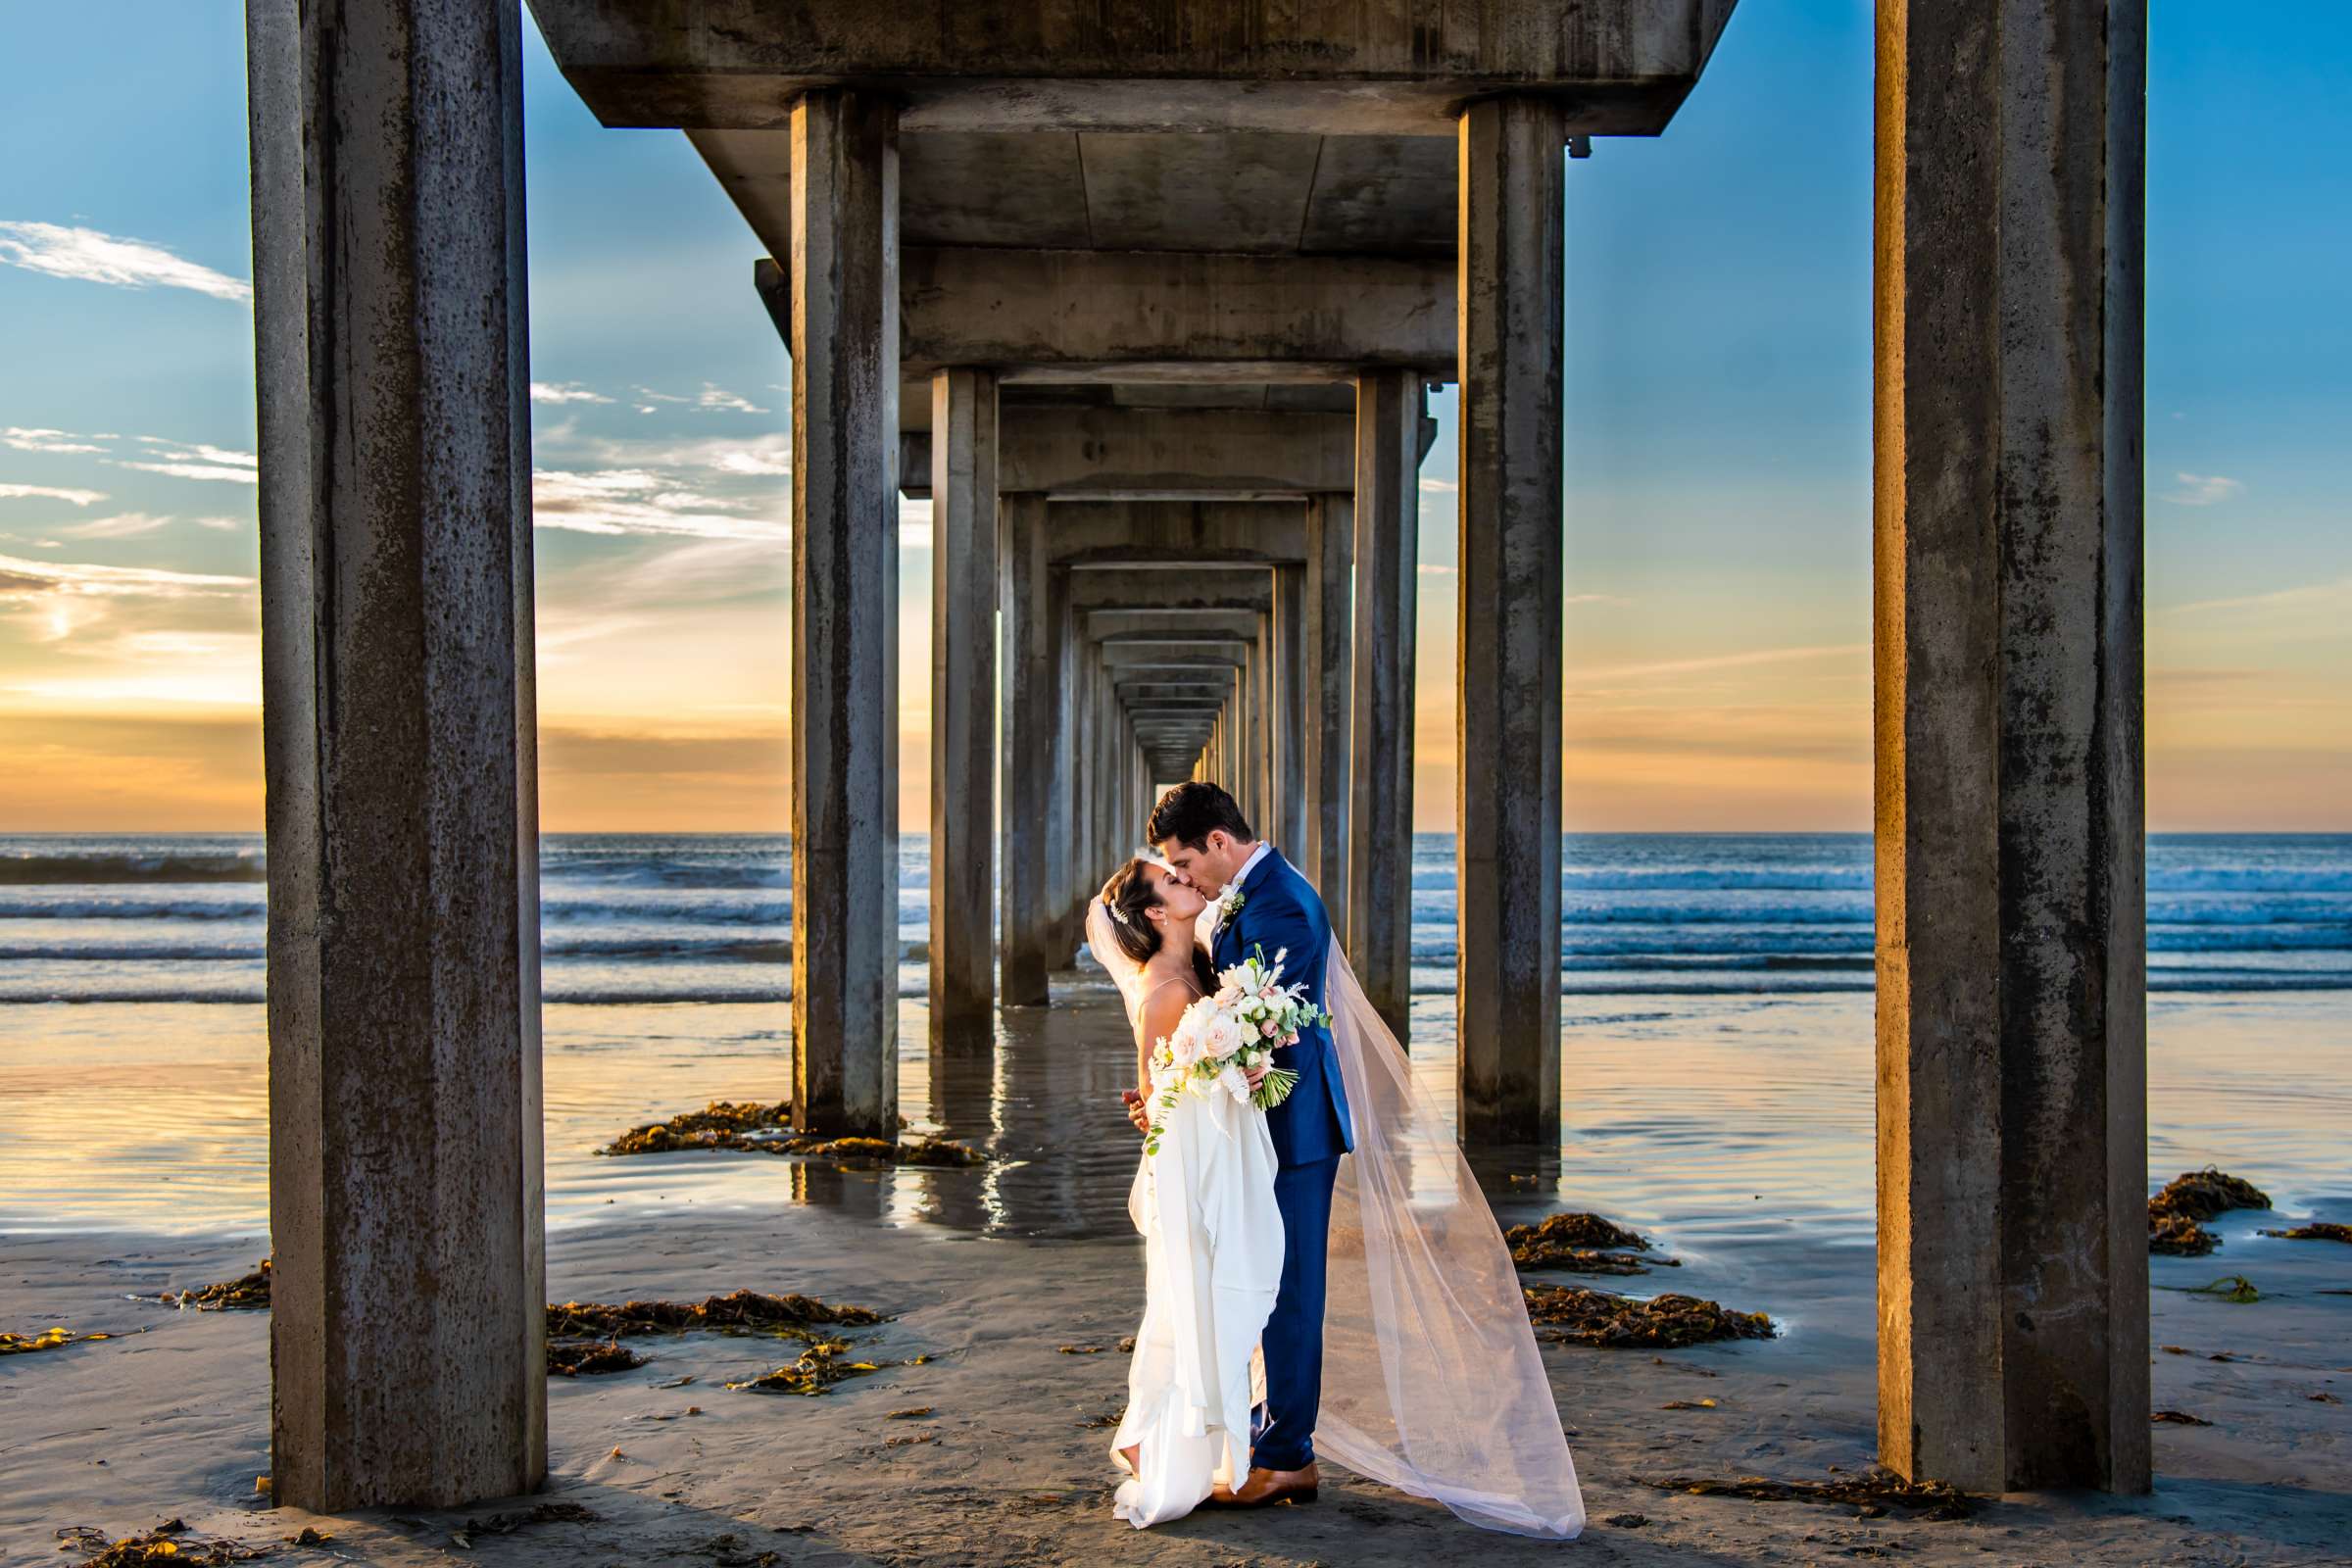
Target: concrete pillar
(964, 704)
(1507, 790)
(1387, 532)
(1330, 593)
(1062, 855)
(1289, 640)
(844, 556)
(391, 337)
(1031, 709)
(2013, 1261)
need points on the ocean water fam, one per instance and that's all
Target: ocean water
(1716, 1055)
(680, 918)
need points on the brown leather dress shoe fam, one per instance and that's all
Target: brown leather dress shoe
(1262, 1489)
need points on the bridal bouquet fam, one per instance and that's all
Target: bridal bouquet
(1221, 1037)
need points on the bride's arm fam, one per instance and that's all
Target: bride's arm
(1162, 1012)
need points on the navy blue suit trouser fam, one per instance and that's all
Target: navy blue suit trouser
(1293, 1341)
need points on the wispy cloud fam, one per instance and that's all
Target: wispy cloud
(194, 461)
(50, 492)
(638, 501)
(122, 525)
(2203, 489)
(1761, 655)
(716, 398)
(565, 392)
(2307, 594)
(92, 257)
(20, 577)
(221, 524)
(25, 440)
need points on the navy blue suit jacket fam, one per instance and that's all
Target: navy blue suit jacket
(1280, 909)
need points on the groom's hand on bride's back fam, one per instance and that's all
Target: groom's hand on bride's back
(1137, 1112)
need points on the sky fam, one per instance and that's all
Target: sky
(1717, 475)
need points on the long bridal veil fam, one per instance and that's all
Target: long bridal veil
(1431, 1382)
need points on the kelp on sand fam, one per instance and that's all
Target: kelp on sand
(1873, 1491)
(1572, 1315)
(1581, 1244)
(2177, 1215)
(166, 1545)
(583, 1338)
(53, 1339)
(247, 1294)
(758, 1129)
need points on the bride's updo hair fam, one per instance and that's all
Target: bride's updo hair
(1132, 890)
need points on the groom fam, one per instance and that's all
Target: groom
(1260, 902)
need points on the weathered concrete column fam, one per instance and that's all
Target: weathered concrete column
(963, 704)
(391, 336)
(1031, 707)
(1330, 592)
(2013, 1260)
(1387, 532)
(1507, 789)
(1288, 825)
(1062, 853)
(845, 556)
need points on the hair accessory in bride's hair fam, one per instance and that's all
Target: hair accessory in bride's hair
(1116, 913)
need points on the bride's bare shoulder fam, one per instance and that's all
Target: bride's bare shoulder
(1166, 1004)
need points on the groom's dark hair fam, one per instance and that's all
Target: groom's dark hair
(1191, 811)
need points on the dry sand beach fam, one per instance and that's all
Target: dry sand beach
(990, 1273)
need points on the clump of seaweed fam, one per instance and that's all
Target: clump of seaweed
(878, 1151)
(756, 1129)
(56, 1339)
(818, 1368)
(791, 1317)
(2323, 1230)
(572, 1358)
(1581, 1244)
(167, 1545)
(2177, 1215)
(1873, 1491)
(248, 1294)
(1572, 1315)
(505, 1524)
(2177, 1418)
(720, 1124)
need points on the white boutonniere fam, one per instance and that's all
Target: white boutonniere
(1229, 905)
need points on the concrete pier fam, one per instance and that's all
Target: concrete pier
(1031, 715)
(399, 752)
(844, 568)
(1388, 530)
(963, 706)
(1508, 728)
(2013, 1258)
(1328, 685)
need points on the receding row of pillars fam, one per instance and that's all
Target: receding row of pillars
(399, 718)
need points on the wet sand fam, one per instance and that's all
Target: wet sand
(991, 1271)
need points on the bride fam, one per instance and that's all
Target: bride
(1431, 1382)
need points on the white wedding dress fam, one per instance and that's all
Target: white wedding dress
(1212, 1251)
(1432, 1381)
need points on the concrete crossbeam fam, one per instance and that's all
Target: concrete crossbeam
(1176, 533)
(1085, 315)
(405, 1198)
(1624, 65)
(1211, 587)
(1162, 454)
(2013, 1261)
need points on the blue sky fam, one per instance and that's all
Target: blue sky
(1718, 473)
